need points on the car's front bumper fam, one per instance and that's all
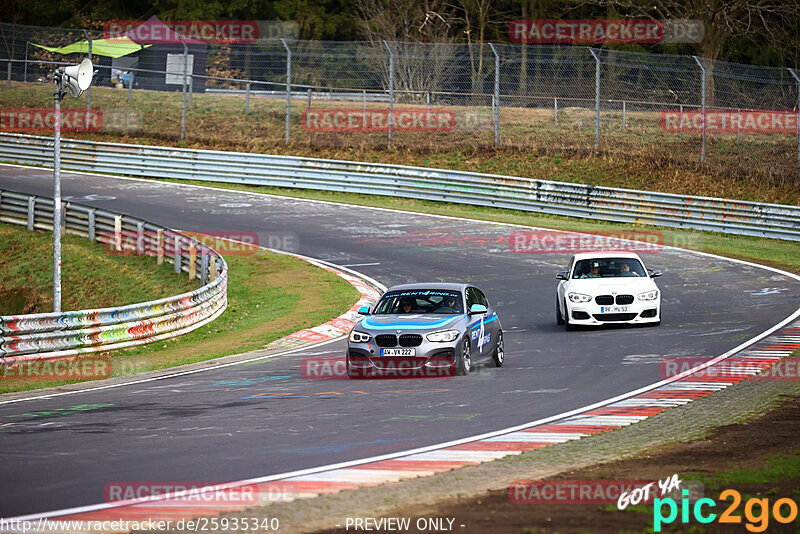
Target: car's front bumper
(429, 359)
(590, 313)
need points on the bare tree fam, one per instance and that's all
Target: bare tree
(771, 22)
(420, 34)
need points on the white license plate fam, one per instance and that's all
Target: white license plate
(398, 352)
(613, 309)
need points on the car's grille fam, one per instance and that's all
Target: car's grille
(604, 300)
(612, 317)
(386, 340)
(624, 299)
(410, 340)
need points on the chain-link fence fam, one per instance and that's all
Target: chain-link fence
(735, 119)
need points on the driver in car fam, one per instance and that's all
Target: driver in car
(594, 271)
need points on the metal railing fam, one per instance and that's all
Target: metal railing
(541, 196)
(49, 335)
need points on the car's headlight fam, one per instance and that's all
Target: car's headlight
(577, 297)
(650, 295)
(443, 337)
(359, 337)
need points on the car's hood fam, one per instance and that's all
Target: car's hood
(611, 286)
(409, 322)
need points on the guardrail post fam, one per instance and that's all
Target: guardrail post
(192, 261)
(204, 265)
(92, 227)
(702, 105)
(555, 111)
(139, 239)
(183, 91)
(247, 98)
(212, 270)
(288, 87)
(796, 77)
(391, 90)
(177, 258)
(31, 212)
(596, 99)
(496, 96)
(118, 233)
(160, 247)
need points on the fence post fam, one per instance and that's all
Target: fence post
(308, 105)
(680, 121)
(796, 77)
(624, 124)
(702, 105)
(391, 90)
(9, 75)
(130, 85)
(364, 108)
(183, 92)
(247, 97)
(177, 255)
(32, 212)
(738, 124)
(555, 111)
(596, 99)
(496, 96)
(191, 89)
(89, 89)
(288, 87)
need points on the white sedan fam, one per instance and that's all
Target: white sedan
(607, 287)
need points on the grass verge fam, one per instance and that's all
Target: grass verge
(269, 296)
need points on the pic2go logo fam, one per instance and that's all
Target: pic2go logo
(756, 511)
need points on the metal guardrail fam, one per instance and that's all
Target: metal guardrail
(49, 335)
(541, 196)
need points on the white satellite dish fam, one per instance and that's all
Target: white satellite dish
(78, 78)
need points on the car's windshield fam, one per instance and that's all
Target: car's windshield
(420, 301)
(608, 268)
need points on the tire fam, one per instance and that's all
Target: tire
(464, 361)
(353, 373)
(567, 325)
(498, 356)
(559, 317)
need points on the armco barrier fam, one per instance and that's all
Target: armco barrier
(49, 335)
(543, 196)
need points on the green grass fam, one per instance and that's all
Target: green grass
(269, 296)
(91, 276)
(773, 252)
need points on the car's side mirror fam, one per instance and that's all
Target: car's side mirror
(654, 273)
(562, 275)
(363, 310)
(475, 309)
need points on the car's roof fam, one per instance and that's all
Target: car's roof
(429, 285)
(609, 254)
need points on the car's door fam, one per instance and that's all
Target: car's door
(482, 337)
(561, 290)
(491, 322)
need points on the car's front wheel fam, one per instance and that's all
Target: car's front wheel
(499, 355)
(464, 361)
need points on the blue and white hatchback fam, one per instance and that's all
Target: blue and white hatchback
(418, 330)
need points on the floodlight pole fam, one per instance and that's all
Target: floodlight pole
(57, 95)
